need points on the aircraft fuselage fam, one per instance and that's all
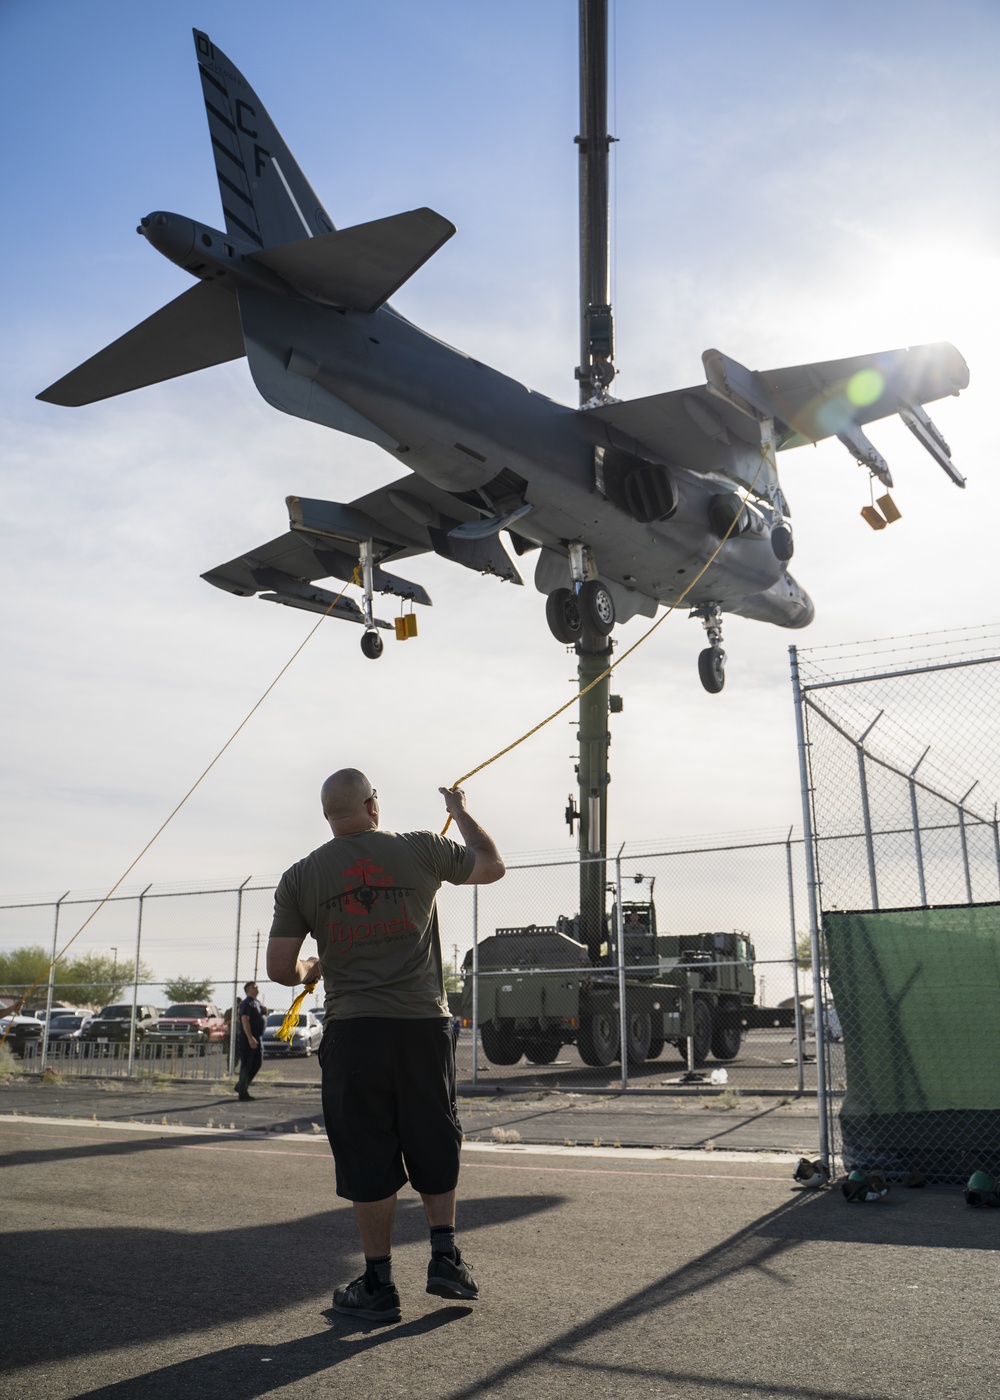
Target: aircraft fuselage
(460, 424)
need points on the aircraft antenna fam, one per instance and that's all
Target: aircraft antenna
(596, 368)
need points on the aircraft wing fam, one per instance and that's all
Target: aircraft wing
(407, 517)
(831, 398)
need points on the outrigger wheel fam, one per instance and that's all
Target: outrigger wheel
(372, 645)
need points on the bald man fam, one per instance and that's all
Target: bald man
(368, 897)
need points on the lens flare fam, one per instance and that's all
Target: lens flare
(865, 387)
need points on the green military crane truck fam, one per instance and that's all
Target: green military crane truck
(540, 988)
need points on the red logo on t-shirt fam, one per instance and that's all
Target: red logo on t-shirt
(371, 881)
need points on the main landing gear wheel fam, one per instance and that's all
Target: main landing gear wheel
(597, 607)
(712, 669)
(712, 661)
(562, 613)
(372, 645)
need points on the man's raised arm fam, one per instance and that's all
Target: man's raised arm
(489, 866)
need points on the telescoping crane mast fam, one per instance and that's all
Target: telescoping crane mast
(595, 373)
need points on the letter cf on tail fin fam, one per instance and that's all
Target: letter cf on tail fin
(265, 196)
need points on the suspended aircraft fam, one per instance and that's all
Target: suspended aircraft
(622, 502)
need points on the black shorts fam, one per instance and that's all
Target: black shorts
(389, 1100)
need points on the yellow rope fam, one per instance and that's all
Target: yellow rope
(292, 1014)
(764, 458)
(163, 826)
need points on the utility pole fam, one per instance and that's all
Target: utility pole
(595, 373)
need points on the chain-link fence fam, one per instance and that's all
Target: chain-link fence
(691, 970)
(707, 981)
(900, 762)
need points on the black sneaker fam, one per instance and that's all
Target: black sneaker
(451, 1278)
(355, 1299)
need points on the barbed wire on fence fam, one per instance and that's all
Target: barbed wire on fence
(900, 762)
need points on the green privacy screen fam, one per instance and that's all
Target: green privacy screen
(917, 992)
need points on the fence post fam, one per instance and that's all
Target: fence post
(866, 809)
(233, 1025)
(795, 963)
(996, 840)
(965, 841)
(135, 982)
(475, 985)
(620, 940)
(915, 816)
(52, 981)
(822, 1098)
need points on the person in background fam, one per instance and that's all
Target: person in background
(251, 1027)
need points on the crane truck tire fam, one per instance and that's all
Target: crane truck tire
(597, 1039)
(500, 1046)
(702, 1030)
(639, 1032)
(727, 1033)
(542, 1051)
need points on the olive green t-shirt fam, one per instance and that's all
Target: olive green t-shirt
(369, 900)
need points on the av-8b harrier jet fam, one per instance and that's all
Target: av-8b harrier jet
(623, 503)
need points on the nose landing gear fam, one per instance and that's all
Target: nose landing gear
(712, 661)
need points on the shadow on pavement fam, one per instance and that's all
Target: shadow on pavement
(76, 1292)
(244, 1372)
(568, 1362)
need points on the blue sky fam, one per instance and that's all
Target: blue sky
(793, 182)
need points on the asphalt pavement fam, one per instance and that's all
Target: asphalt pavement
(287, 1100)
(170, 1260)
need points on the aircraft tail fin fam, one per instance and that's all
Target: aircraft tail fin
(199, 328)
(265, 196)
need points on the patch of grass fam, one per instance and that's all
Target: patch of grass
(51, 1076)
(8, 1064)
(109, 1086)
(724, 1102)
(505, 1135)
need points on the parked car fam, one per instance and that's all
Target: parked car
(190, 1023)
(67, 1029)
(22, 1029)
(113, 1023)
(305, 1037)
(57, 1010)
